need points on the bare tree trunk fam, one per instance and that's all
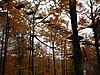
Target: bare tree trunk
(76, 46)
(6, 44)
(54, 63)
(95, 34)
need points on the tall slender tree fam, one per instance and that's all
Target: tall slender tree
(76, 46)
(95, 33)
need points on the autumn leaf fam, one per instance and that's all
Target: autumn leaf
(82, 21)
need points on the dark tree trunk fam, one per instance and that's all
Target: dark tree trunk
(6, 44)
(54, 62)
(76, 46)
(95, 34)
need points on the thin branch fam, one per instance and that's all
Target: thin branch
(42, 42)
(41, 20)
(87, 3)
(87, 16)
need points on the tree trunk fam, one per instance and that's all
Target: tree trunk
(76, 46)
(6, 44)
(95, 34)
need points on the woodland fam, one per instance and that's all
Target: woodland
(49, 37)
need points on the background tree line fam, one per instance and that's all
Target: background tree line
(42, 37)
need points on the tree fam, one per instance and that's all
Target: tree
(76, 46)
(40, 44)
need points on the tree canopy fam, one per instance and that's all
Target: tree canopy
(49, 37)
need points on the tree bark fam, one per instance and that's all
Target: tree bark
(5, 47)
(95, 34)
(76, 46)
